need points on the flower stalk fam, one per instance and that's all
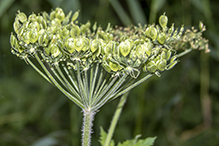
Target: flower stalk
(115, 119)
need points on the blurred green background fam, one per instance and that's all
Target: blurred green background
(181, 107)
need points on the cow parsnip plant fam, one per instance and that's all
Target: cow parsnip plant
(92, 65)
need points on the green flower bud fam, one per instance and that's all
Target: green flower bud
(26, 37)
(42, 22)
(56, 22)
(151, 32)
(46, 16)
(106, 67)
(52, 29)
(75, 16)
(115, 49)
(202, 26)
(95, 45)
(13, 40)
(169, 53)
(60, 14)
(32, 18)
(161, 38)
(151, 67)
(16, 26)
(110, 36)
(79, 44)
(69, 44)
(43, 38)
(52, 15)
(140, 50)
(21, 32)
(26, 24)
(67, 18)
(65, 32)
(172, 63)
(21, 17)
(34, 26)
(75, 31)
(86, 44)
(33, 36)
(180, 32)
(103, 35)
(15, 45)
(148, 48)
(165, 54)
(39, 19)
(125, 47)
(161, 64)
(94, 26)
(163, 20)
(114, 66)
(83, 29)
(55, 52)
(156, 50)
(171, 29)
(108, 49)
(173, 59)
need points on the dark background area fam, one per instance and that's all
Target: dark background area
(181, 107)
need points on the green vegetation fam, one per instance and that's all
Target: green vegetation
(31, 95)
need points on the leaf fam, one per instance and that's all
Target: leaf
(156, 6)
(103, 136)
(136, 142)
(136, 11)
(4, 5)
(120, 12)
(146, 142)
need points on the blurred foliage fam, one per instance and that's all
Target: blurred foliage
(180, 108)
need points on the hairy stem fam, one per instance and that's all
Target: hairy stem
(87, 127)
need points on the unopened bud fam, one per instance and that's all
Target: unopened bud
(163, 20)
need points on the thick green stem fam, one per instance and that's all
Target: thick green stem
(115, 119)
(87, 127)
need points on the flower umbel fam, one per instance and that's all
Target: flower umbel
(94, 66)
(72, 56)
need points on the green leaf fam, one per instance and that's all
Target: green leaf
(136, 142)
(103, 136)
(156, 6)
(4, 5)
(136, 11)
(124, 17)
